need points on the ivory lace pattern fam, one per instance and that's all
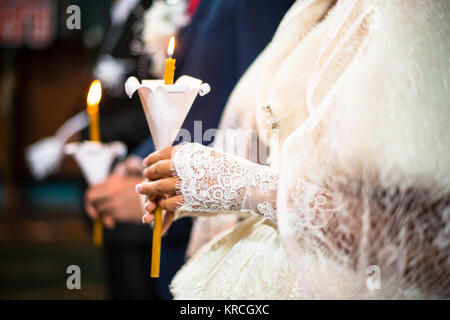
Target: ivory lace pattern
(212, 181)
(376, 149)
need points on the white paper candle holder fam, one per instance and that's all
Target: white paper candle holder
(166, 106)
(95, 158)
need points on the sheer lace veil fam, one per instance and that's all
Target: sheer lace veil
(365, 181)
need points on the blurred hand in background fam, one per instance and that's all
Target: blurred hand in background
(116, 199)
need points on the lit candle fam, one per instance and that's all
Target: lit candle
(157, 223)
(170, 63)
(93, 99)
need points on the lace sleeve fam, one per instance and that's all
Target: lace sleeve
(213, 182)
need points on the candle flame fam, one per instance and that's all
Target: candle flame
(95, 93)
(171, 46)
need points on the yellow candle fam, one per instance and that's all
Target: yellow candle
(94, 130)
(170, 63)
(157, 224)
(93, 99)
(97, 233)
(156, 246)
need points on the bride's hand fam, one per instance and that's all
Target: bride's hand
(169, 205)
(167, 216)
(158, 170)
(161, 184)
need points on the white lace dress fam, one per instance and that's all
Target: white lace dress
(213, 182)
(360, 207)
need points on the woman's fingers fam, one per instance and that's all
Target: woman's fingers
(171, 204)
(150, 206)
(148, 218)
(157, 156)
(167, 221)
(159, 187)
(158, 170)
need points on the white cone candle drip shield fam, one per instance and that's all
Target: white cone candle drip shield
(95, 159)
(166, 106)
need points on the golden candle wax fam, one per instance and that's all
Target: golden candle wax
(157, 225)
(156, 246)
(93, 99)
(169, 70)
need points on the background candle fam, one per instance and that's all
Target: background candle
(93, 99)
(170, 63)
